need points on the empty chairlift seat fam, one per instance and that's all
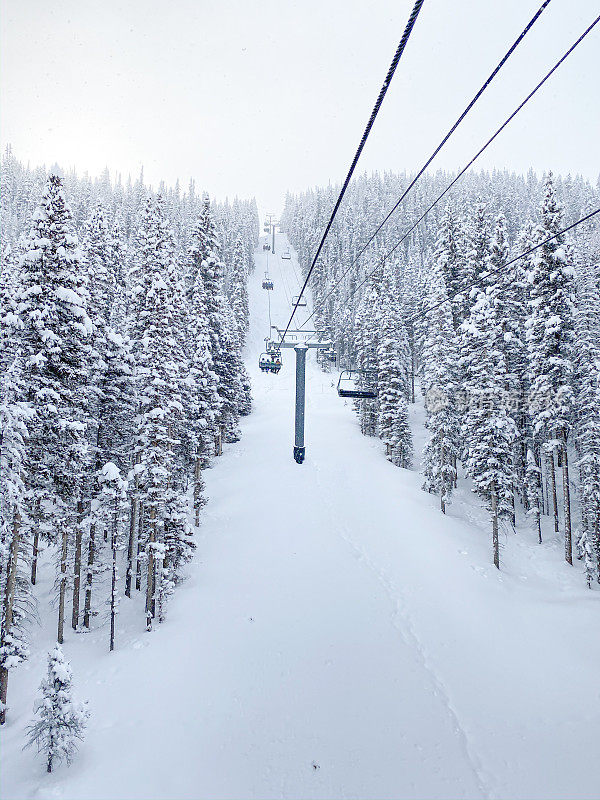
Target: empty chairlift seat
(286, 255)
(299, 301)
(358, 383)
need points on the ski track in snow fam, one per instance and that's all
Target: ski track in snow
(337, 637)
(402, 622)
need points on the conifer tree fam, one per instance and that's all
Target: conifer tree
(489, 431)
(61, 721)
(393, 359)
(366, 343)
(55, 340)
(588, 423)
(238, 290)
(439, 386)
(550, 346)
(450, 260)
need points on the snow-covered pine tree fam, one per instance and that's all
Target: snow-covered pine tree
(55, 340)
(224, 347)
(533, 491)
(112, 505)
(366, 342)
(60, 721)
(550, 346)
(237, 290)
(161, 368)
(439, 361)
(489, 430)
(393, 356)
(450, 261)
(509, 292)
(476, 245)
(588, 422)
(15, 595)
(202, 396)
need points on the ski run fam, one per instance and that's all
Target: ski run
(333, 635)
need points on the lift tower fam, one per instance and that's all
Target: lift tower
(269, 227)
(300, 341)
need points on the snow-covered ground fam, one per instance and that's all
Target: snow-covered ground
(337, 636)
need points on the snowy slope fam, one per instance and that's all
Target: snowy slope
(337, 637)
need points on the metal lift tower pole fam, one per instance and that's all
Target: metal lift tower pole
(299, 448)
(301, 349)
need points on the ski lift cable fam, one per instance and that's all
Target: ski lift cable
(388, 78)
(299, 284)
(284, 283)
(487, 83)
(458, 176)
(269, 300)
(489, 272)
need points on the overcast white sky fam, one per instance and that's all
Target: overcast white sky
(257, 97)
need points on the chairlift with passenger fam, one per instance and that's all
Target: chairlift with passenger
(270, 362)
(358, 383)
(267, 282)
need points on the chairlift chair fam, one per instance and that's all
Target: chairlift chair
(357, 383)
(270, 362)
(266, 246)
(299, 301)
(286, 256)
(267, 284)
(276, 362)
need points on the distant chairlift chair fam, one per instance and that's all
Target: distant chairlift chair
(267, 283)
(358, 383)
(286, 256)
(299, 301)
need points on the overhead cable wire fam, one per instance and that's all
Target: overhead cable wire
(479, 93)
(456, 178)
(388, 78)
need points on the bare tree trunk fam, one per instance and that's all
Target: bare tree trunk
(442, 483)
(9, 602)
(77, 566)
(197, 490)
(550, 462)
(138, 557)
(34, 557)
(131, 545)
(495, 542)
(545, 487)
(151, 570)
(89, 577)
(567, 502)
(412, 367)
(113, 581)
(63, 583)
(36, 542)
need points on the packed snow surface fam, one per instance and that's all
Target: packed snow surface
(337, 636)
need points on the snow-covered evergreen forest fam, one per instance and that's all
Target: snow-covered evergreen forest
(506, 358)
(124, 313)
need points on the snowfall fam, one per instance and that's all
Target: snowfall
(337, 636)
